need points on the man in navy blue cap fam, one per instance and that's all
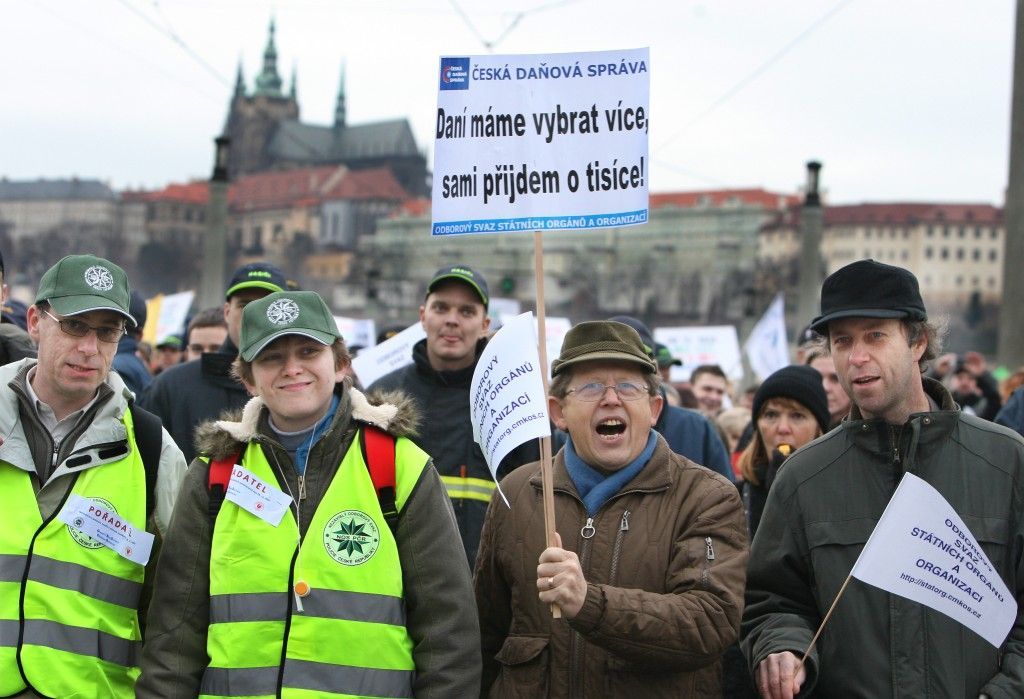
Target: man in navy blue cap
(189, 394)
(454, 317)
(831, 493)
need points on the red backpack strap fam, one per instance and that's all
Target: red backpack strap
(217, 484)
(379, 455)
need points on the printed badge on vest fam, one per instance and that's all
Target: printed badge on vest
(351, 537)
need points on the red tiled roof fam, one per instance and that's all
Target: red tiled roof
(911, 213)
(310, 186)
(197, 192)
(420, 206)
(722, 197)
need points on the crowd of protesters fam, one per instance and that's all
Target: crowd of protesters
(229, 513)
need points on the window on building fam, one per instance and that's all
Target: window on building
(976, 254)
(945, 232)
(928, 253)
(992, 282)
(960, 232)
(959, 281)
(959, 253)
(992, 255)
(904, 255)
(944, 253)
(977, 233)
(931, 231)
(994, 233)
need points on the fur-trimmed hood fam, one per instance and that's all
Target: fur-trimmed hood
(391, 411)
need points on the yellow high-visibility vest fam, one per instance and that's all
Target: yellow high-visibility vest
(350, 638)
(69, 623)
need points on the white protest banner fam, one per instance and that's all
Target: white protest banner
(507, 405)
(357, 331)
(541, 142)
(710, 344)
(766, 348)
(922, 550)
(394, 353)
(555, 329)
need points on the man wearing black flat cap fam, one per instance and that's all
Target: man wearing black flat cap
(827, 500)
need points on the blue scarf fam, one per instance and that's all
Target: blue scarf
(595, 487)
(321, 425)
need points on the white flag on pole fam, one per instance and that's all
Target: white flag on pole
(507, 404)
(922, 550)
(766, 348)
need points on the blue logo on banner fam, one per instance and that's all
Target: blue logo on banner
(454, 73)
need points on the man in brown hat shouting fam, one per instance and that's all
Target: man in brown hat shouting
(826, 501)
(649, 568)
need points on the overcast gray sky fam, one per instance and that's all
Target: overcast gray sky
(904, 100)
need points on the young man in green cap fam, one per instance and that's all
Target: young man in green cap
(71, 469)
(301, 582)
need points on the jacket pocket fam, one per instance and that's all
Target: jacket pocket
(525, 668)
(626, 679)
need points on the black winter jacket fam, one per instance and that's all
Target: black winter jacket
(446, 433)
(189, 394)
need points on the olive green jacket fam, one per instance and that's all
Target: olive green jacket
(820, 511)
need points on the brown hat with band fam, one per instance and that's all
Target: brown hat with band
(603, 340)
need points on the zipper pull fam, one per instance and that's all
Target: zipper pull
(588, 529)
(624, 524)
(710, 547)
(302, 487)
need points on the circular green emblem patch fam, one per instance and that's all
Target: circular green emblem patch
(80, 538)
(351, 537)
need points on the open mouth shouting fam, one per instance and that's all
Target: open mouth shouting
(610, 428)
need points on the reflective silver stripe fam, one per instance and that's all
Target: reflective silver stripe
(12, 567)
(345, 679)
(239, 682)
(252, 606)
(92, 583)
(327, 604)
(75, 639)
(8, 633)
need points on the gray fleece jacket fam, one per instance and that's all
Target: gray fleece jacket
(441, 616)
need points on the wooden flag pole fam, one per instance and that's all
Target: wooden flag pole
(547, 479)
(824, 621)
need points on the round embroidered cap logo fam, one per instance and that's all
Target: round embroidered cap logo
(283, 312)
(99, 278)
(351, 537)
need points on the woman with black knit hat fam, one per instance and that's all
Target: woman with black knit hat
(790, 409)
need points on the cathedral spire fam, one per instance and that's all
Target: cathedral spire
(339, 106)
(268, 82)
(239, 81)
(293, 91)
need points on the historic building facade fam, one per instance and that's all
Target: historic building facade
(267, 134)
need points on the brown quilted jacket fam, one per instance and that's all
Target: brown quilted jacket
(666, 569)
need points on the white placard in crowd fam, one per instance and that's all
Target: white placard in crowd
(357, 331)
(394, 353)
(696, 345)
(170, 311)
(541, 142)
(767, 348)
(555, 329)
(507, 405)
(922, 550)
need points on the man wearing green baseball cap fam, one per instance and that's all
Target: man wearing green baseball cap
(86, 483)
(187, 395)
(379, 599)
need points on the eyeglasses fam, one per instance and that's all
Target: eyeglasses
(197, 348)
(78, 328)
(593, 392)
